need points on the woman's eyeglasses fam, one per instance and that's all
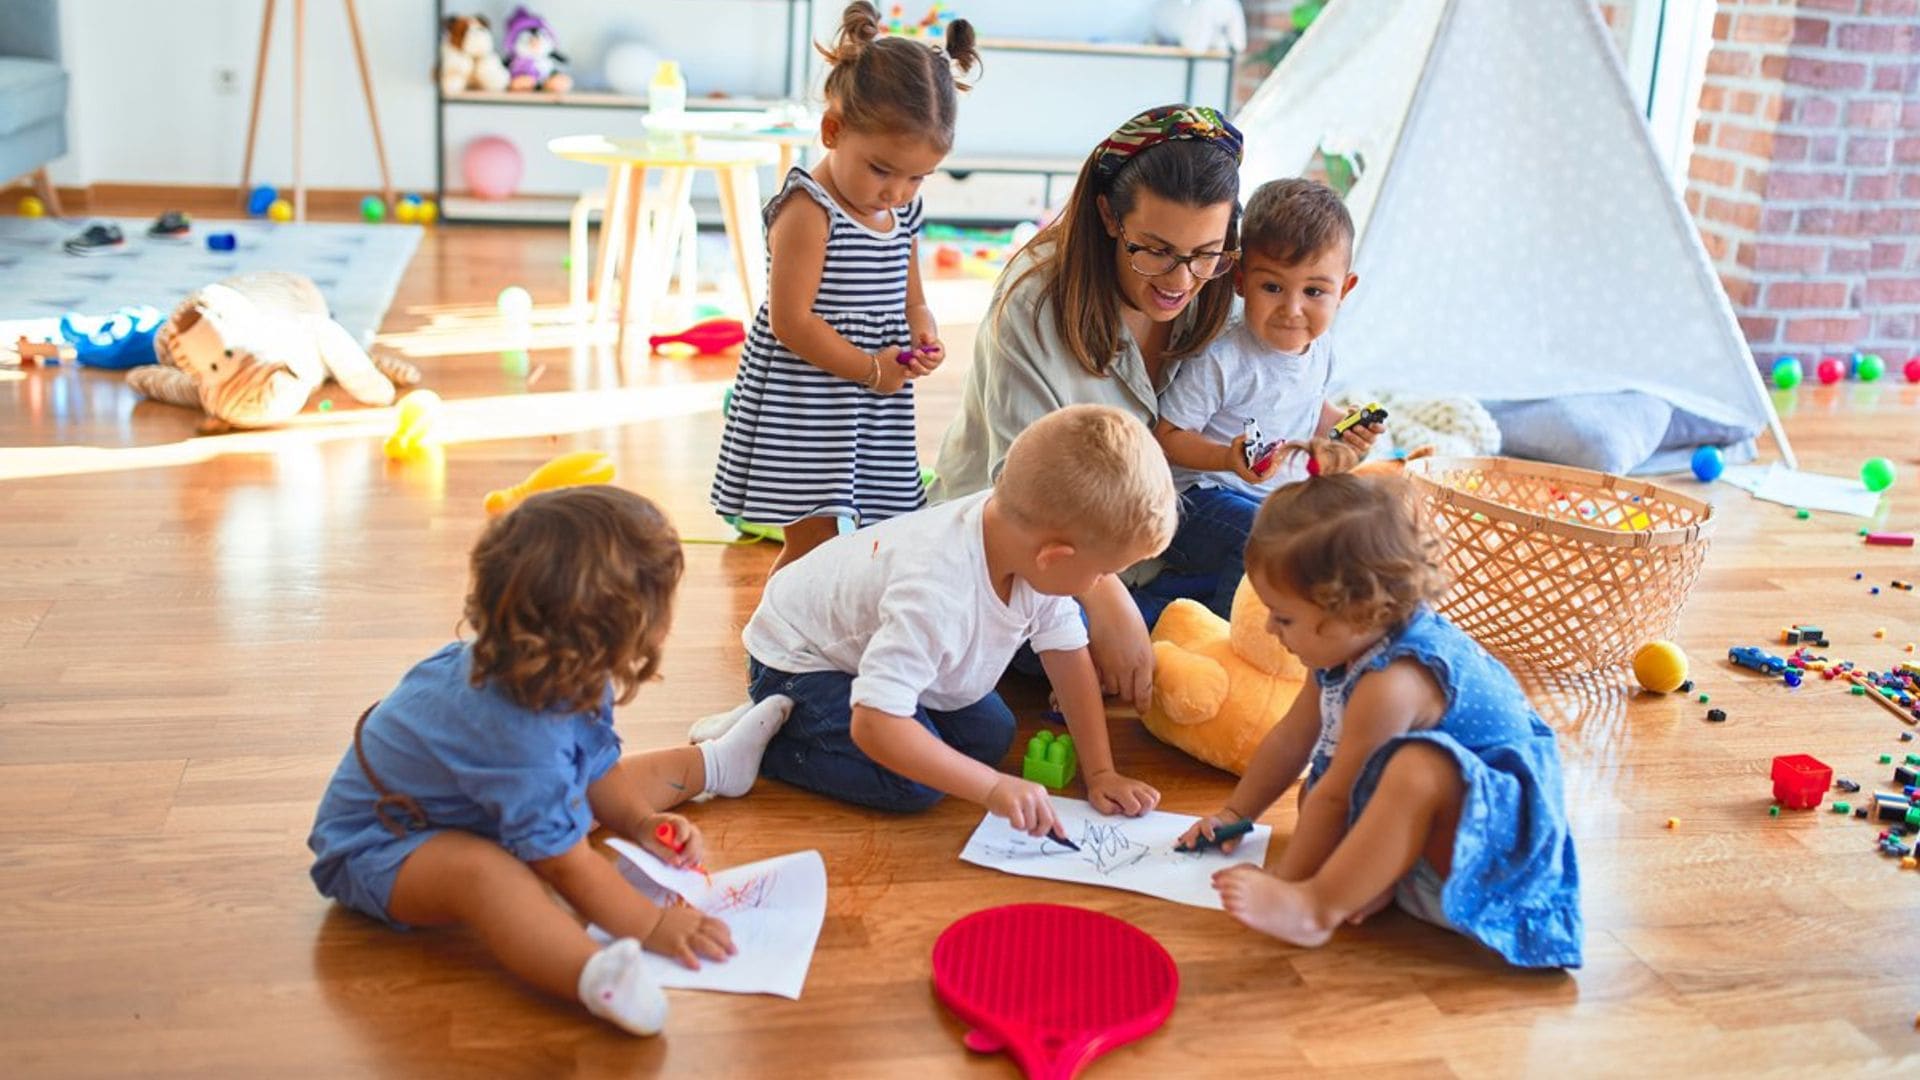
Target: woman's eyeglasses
(1153, 262)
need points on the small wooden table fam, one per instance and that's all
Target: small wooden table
(643, 276)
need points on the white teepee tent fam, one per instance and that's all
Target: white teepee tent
(1518, 237)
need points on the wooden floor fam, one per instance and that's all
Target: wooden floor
(189, 626)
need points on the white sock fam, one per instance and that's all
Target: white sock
(615, 986)
(712, 727)
(733, 759)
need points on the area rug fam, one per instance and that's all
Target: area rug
(356, 266)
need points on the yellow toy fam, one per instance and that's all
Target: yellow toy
(280, 210)
(413, 424)
(1660, 666)
(1219, 687)
(567, 470)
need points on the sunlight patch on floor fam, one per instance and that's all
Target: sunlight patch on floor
(467, 420)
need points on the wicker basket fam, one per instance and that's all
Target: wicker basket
(1561, 568)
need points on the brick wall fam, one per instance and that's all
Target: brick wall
(1805, 179)
(1269, 22)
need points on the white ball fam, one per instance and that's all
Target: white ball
(629, 67)
(516, 302)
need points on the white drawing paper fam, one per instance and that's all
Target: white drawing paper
(1117, 852)
(1813, 491)
(773, 908)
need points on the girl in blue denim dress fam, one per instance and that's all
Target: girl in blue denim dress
(1432, 784)
(470, 789)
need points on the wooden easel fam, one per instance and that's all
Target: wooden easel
(259, 81)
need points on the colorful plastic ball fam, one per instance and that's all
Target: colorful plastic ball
(1912, 369)
(1660, 666)
(31, 206)
(1878, 474)
(261, 199)
(1831, 371)
(406, 213)
(1708, 464)
(1787, 372)
(1871, 367)
(515, 302)
(281, 210)
(373, 208)
(492, 167)
(429, 210)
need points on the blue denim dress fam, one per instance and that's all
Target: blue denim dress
(469, 758)
(1515, 884)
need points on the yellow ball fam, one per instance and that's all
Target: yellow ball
(429, 210)
(31, 206)
(406, 213)
(281, 210)
(1660, 666)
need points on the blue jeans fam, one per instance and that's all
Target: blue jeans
(814, 749)
(1207, 558)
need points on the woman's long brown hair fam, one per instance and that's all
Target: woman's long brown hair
(1075, 254)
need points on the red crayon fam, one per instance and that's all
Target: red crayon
(1890, 539)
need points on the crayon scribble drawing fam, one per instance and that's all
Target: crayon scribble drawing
(751, 894)
(1136, 854)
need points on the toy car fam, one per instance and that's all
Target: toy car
(1754, 659)
(1370, 413)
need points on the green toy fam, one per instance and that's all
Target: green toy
(1050, 760)
(1878, 474)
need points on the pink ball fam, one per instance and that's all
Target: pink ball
(1913, 369)
(492, 167)
(1831, 370)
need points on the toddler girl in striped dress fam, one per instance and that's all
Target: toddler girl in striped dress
(822, 424)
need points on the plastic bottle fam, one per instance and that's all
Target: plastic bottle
(666, 101)
(667, 93)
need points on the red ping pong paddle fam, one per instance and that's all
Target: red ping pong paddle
(1053, 986)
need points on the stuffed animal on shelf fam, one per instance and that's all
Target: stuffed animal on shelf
(250, 350)
(533, 57)
(1219, 686)
(1201, 25)
(467, 59)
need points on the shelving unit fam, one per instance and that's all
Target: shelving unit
(1047, 167)
(538, 210)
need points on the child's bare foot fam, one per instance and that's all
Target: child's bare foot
(1372, 908)
(1272, 906)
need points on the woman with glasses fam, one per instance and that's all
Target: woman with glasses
(1134, 276)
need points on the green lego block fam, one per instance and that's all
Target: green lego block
(1051, 760)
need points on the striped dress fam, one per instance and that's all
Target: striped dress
(801, 443)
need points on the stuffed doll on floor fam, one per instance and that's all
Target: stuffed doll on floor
(250, 350)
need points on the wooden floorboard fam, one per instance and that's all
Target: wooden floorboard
(188, 627)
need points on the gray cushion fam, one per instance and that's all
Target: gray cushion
(31, 92)
(1612, 433)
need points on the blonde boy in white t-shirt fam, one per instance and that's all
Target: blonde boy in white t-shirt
(889, 640)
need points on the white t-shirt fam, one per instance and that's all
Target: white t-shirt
(1240, 377)
(907, 608)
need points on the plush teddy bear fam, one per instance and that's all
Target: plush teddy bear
(467, 59)
(533, 57)
(1219, 686)
(250, 350)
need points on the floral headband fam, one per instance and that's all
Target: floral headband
(1164, 124)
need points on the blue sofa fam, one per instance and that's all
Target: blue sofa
(33, 91)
